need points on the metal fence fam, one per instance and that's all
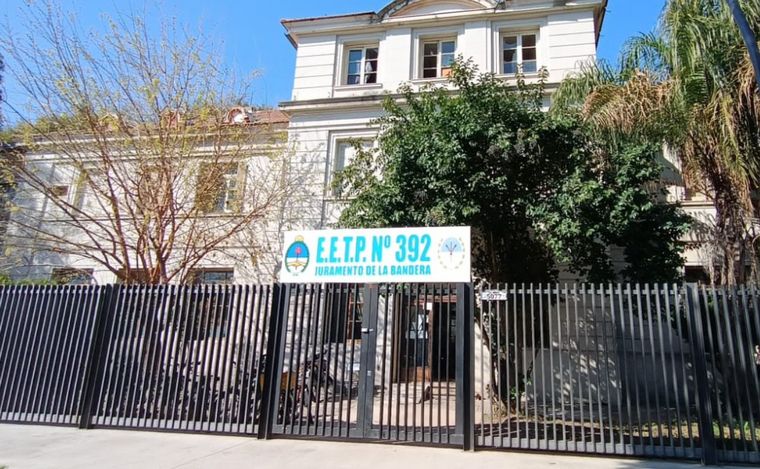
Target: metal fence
(46, 336)
(183, 358)
(646, 370)
(371, 362)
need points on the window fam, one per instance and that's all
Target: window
(135, 276)
(219, 188)
(85, 188)
(71, 276)
(345, 152)
(437, 58)
(519, 53)
(361, 65)
(212, 276)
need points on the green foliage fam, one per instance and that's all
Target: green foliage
(536, 190)
(691, 85)
(6, 280)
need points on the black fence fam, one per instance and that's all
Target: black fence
(182, 358)
(371, 362)
(645, 370)
(46, 344)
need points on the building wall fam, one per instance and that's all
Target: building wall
(565, 40)
(251, 252)
(324, 109)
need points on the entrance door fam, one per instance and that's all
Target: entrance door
(425, 336)
(415, 393)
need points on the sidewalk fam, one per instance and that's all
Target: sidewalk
(27, 447)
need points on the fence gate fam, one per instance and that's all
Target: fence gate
(373, 362)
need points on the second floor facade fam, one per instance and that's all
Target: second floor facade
(364, 55)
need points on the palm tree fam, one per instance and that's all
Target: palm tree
(690, 85)
(748, 34)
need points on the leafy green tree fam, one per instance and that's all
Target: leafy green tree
(689, 84)
(536, 190)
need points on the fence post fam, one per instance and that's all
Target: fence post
(367, 357)
(96, 356)
(699, 358)
(275, 350)
(465, 370)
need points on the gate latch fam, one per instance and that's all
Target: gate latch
(367, 330)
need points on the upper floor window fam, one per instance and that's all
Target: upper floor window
(437, 58)
(362, 65)
(519, 53)
(219, 187)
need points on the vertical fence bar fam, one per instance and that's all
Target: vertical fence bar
(699, 356)
(464, 370)
(96, 360)
(275, 354)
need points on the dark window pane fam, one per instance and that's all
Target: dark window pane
(510, 56)
(510, 42)
(370, 66)
(430, 62)
(370, 78)
(530, 67)
(529, 54)
(431, 48)
(429, 73)
(354, 68)
(372, 53)
(448, 47)
(529, 40)
(353, 79)
(510, 68)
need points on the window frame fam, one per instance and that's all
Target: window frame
(363, 47)
(338, 142)
(519, 34)
(198, 274)
(236, 175)
(439, 41)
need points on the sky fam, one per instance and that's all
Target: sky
(253, 38)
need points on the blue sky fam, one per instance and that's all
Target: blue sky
(254, 39)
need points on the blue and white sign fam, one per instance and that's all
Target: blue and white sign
(431, 255)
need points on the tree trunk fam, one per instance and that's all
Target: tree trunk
(749, 37)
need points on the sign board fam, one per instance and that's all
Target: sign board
(429, 255)
(494, 295)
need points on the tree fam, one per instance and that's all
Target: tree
(134, 161)
(689, 85)
(2, 91)
(536, 190)
(748, 35)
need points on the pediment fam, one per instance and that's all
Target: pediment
(401, 8)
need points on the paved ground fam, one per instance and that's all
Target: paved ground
(27, 447)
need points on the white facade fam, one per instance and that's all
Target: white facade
(346, 65)
(74, 205)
